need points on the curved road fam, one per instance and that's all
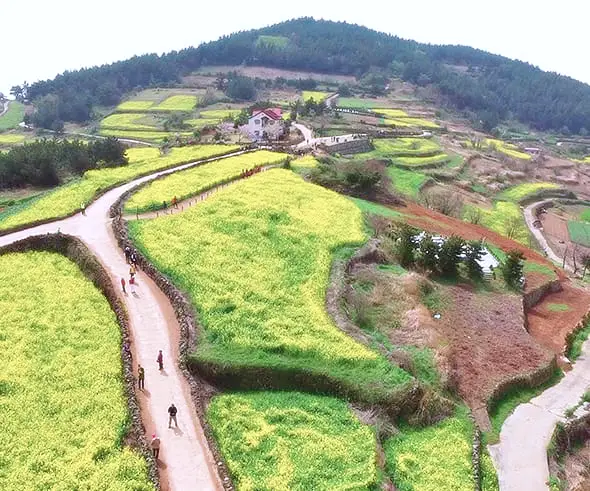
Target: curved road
(530, 218)
(189, 464)
(521, 456)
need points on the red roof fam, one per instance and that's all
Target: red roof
(272, 112)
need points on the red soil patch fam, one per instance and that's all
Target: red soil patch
(435, 222)
(551, 328)
(488, 341)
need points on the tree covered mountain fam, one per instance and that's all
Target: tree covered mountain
(491, 87)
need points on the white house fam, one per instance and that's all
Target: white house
(265, 124)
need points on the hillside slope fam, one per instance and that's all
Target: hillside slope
(491, 87)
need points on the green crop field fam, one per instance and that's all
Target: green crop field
(579, 232)
(202, 122)
(274, 41)
(13, 117)
(141, 135)
(418, 122)
(61, 398)
(356, 103)
(302, 163)
(11, 138)
(315, 95)
(290, 440)
(388, 148)
(191, 182)
(433, 458)
(406, 182)
(67, 199)
(392, 113)
(585, 215)
(521, 191)
(184, 103)
(219, 113)
(371, 208)
(260, 297)
(505, 218)
(135, 106)
(126, 121)
(507, 149)
(436, 160)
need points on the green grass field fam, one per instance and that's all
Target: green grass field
(126, 121)
(579, 232)
(14, 116)
(219, 113)
(202, 122)
(67, 199)
(274, 41)
(433, 458)
(521, 191)
(371, 208)
(392, 113)
(357, 103)
(507, 149)
(183, 103)
(295, 441)
(436, 160)
(585, 215)
(505, 218)
(11, 138)
(260, 297)
(418, 122)
(406, 182)
(315, 95)
(135, 106)
(61, 397)
(190, 182)
(148, 136)
(389, 148)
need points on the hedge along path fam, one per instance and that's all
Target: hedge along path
(189, 463)
(191, 182)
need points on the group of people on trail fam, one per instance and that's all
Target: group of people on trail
(250, 172)
(131, 258)
(173, 203)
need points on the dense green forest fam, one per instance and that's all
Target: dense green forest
(490, 87)
(46, 163)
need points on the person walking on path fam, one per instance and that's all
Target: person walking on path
(132, 270)
(140, 377)
(172, 412)
(123, 286)
(83, 208)
(132, 285)
(127, 254)
(160, 360)
(155, 444)
(175, 202)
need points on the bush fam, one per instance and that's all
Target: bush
(405, 246)
(444, 201)
(449, 256)
(512, 269)
(473, 253)
(428, 252)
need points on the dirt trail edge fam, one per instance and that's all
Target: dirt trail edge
(186, 462)
(521, 456)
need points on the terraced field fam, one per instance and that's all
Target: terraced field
(141, 135)
(407, 182)
(579, 232)
(316, 95)
(61, 393)
(505, 218)
(126, 121)
(260, 297)
(183, 103)
(290, 440)
(521, 191)
(67, 199)
(191, 182)
(11, 138)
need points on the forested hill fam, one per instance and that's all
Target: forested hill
(491, 87)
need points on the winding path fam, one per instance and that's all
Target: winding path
(521, 456)
(530, 219)
(185, 460)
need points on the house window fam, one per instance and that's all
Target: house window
(257, 133)
(257, 121)
(272, 122)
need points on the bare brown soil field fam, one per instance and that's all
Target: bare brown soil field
(551, 328)
(488, 341)
(576, 468)
(556, 232)
(270, 73)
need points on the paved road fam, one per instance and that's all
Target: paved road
(530, 218)
(310, 141)
(521, 456)
(188, 462)
(5, 106)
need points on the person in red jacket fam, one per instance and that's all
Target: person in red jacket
(123, 285)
